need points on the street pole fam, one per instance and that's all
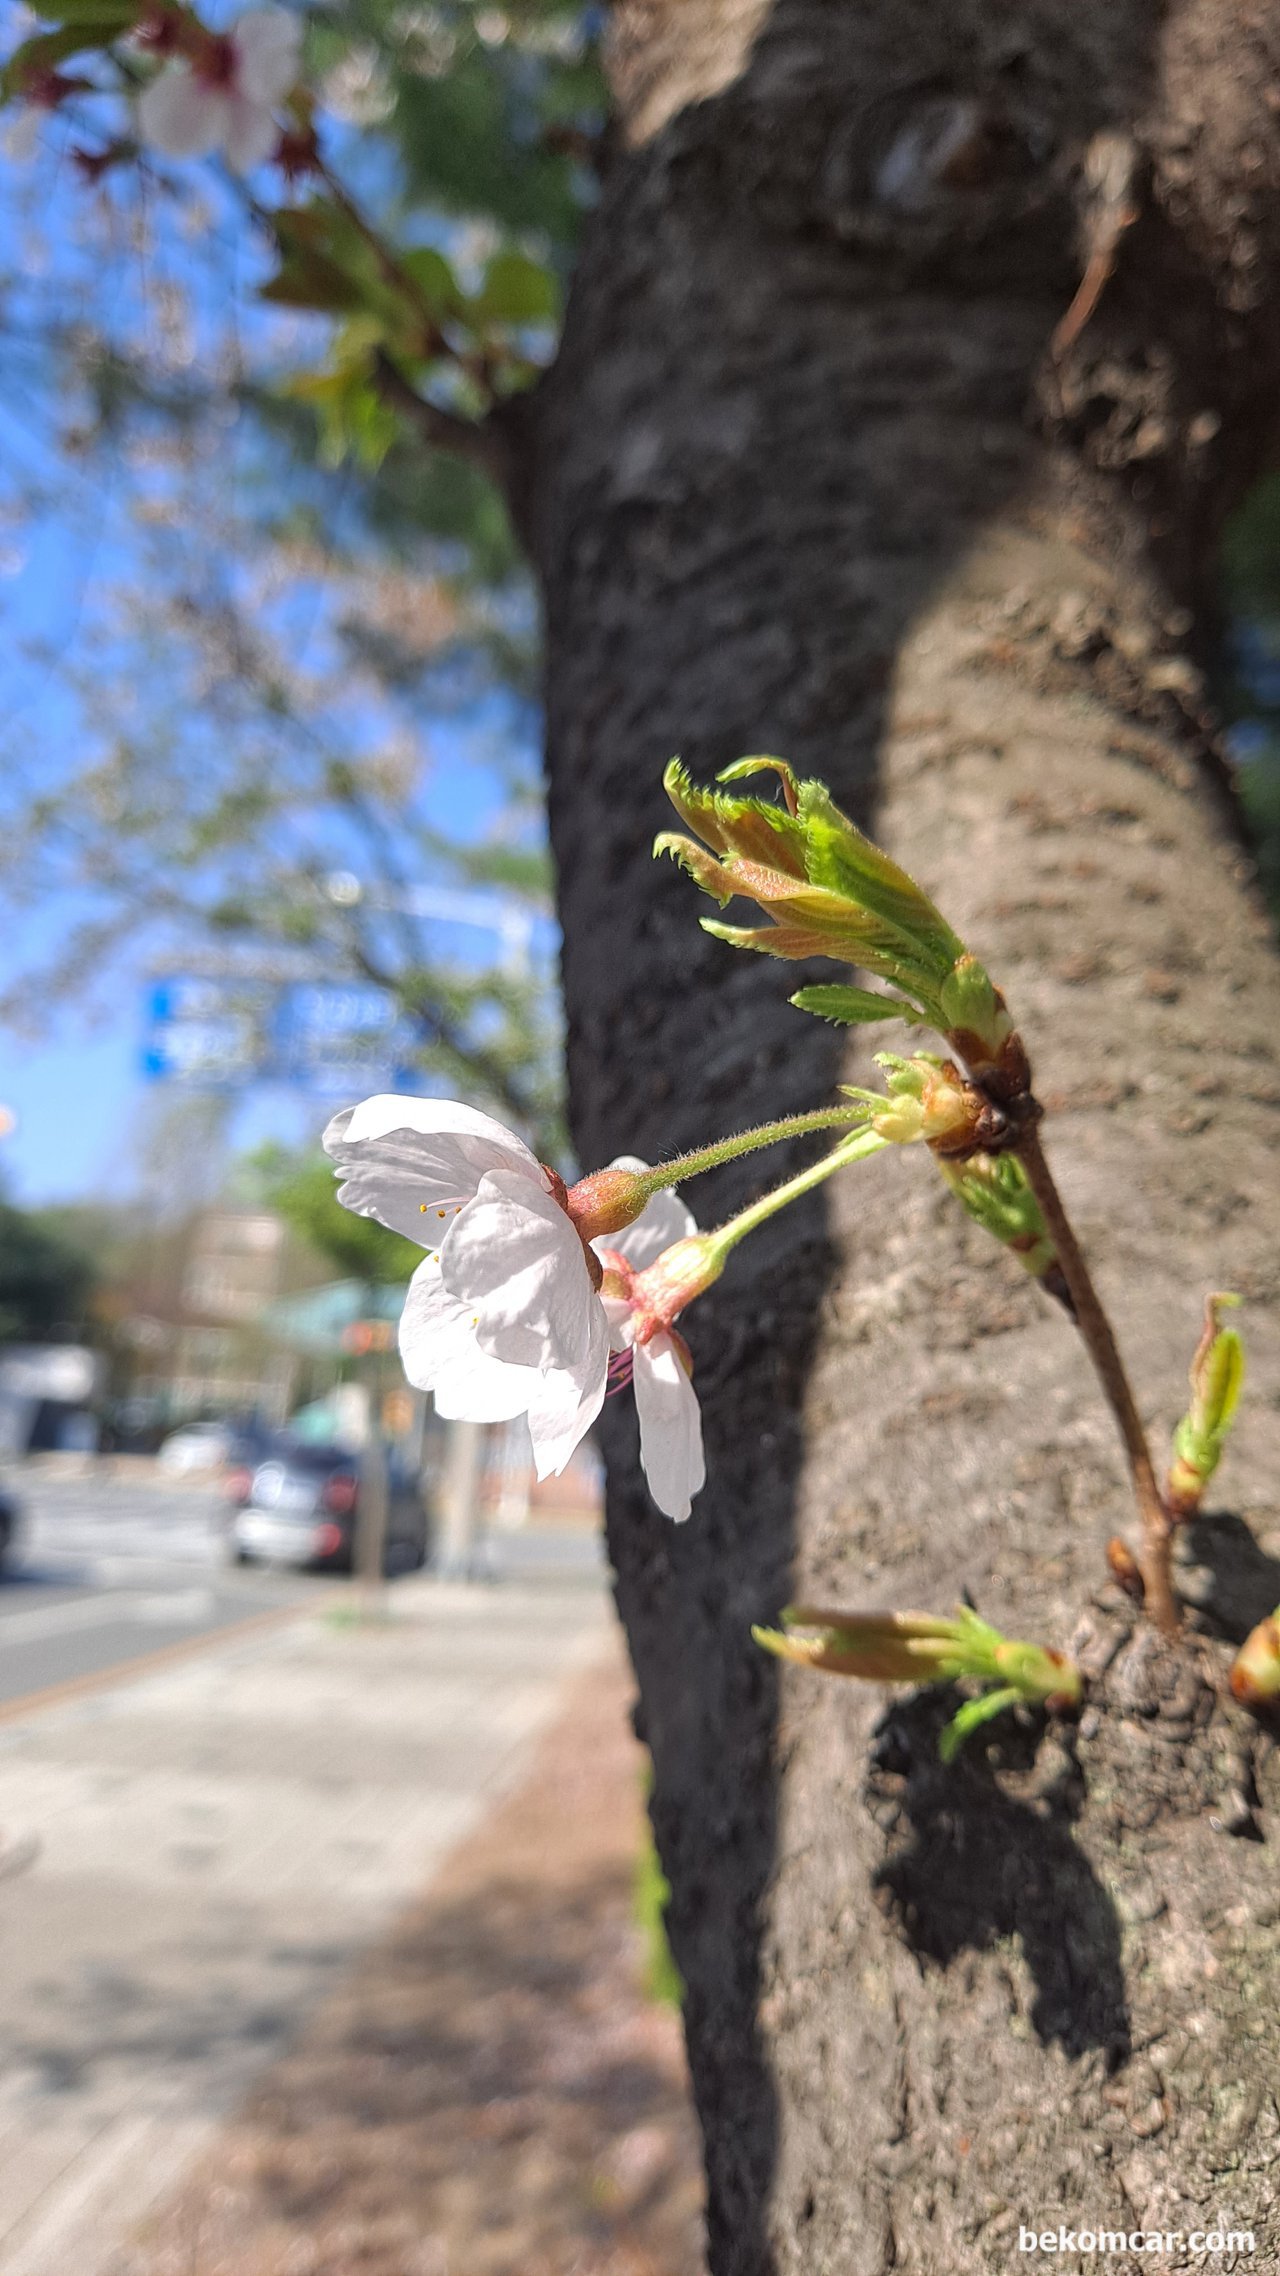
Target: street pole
(460, 1499)
(371, 1500)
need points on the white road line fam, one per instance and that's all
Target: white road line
(181, 1607)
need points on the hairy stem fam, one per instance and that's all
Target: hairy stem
(702, 1158)
(1095, 1327)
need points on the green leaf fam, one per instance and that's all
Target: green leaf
(516, 290)
(48, 49)
(313, 272)
(311, 280)
(854, 1007)
(1225, 1377)
(434, 279)
(354, 421)
(120, 15)
(325, 263)
(846, 862)
(972, 1716)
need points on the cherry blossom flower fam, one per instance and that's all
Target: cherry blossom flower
(502, 1318)
(439, 1346)
(652, 1270)
(225, 98)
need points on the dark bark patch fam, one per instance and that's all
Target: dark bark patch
(981, 1852)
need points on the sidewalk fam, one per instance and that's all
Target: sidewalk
(218, 1842)
(491, 2091)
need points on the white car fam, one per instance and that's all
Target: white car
(198, 1446)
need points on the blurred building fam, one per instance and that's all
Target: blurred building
(193, 1339)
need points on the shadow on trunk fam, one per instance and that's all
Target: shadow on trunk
(982, 1851)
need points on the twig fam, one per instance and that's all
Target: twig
(1109, 169)
(1095, 1327)
(473, 439)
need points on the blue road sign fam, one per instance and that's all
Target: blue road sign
(321, 1036)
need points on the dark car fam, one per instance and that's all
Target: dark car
(301, 1506)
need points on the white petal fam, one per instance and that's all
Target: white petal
(268, 50)
(663, 1220)
(413, 1162)
(670, 1427)
(514, 1255)
(374, 1117)
(441, 1355)
(252, 135)
(478, 1389)
(179, 116)
(564, 1410)
(622, 1321)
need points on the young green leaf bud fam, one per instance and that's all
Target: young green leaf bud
(978, 1027)
(823, 886)
(993, 1189)
(1217, 1379)
(920, 1647)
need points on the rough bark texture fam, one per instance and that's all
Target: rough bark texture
(815, 476)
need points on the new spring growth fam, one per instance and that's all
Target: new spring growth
(993, 1189)
(923, 1647)
(1217, 1379)
(1255, 1673)
(929, 1099)
(826, 890)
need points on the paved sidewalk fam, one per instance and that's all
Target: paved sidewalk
(217, 1841)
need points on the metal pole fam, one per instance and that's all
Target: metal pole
(371, 1504)
(460, 1499)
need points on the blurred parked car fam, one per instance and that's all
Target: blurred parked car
(301, 1506)
(197, 1446)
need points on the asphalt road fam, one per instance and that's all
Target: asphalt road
(108, 1571)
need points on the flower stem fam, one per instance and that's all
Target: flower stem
(683, 1166)
(1096, 1329)
(859, 1148)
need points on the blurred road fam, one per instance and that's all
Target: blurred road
(107, 1570)
(192, 1854)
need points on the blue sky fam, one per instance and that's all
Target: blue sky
(67, 536)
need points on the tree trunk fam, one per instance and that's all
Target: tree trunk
(823, 471)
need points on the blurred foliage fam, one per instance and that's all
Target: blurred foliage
(303, 1190)
(47, 1277)
(303, 634)
(651, 1894)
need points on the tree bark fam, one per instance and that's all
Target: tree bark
(916, 352)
